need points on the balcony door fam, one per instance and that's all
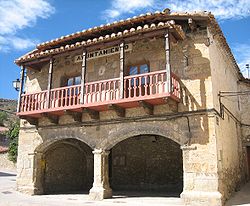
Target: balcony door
(72, 93)
(74, 81)
(136, 86)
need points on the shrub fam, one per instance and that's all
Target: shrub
(3, 117)
(13, 134)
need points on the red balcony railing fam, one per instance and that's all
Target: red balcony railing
(145, 86)
(101, 91)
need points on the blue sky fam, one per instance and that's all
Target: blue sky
(25, 23)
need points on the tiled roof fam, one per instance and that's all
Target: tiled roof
(38, 53)
(136, 19)
(166, 20)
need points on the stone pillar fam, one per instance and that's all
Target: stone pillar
(200, 178)
(101, 188)
(25, 173)
(38, 176)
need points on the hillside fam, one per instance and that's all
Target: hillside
(8, 106)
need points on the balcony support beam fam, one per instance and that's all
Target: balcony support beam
(118, 110)
(92, 113)
(52, 118)
(21, 88)
(31, 120)
(49, 82)
(168, 66)
(77, 116)
(148, 108)
(84, 56)
(122, 53)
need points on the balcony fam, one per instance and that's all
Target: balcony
(149, 88)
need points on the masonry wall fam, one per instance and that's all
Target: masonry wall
(5, 163)
(68, 167)
(228, 132)
(191, 61)
(150, 163)
(245, 128)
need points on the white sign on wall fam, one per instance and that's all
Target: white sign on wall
(103, 52)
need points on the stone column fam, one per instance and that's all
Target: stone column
(200, 178)
(101, 188)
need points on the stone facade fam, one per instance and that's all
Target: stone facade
(196, 143)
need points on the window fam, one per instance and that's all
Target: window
(74, 81)
(71, 82)
(138, 69)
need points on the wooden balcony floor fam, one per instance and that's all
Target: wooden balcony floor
(149, 88)
(103, 106)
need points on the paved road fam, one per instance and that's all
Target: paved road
(9, 197)
(241, 198)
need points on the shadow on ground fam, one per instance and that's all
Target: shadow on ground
(125, 194)
(5, 174)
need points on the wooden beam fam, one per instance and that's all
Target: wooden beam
(49, 82)
(168, 66)
(92, 113)
(192, 24)
(119, 110)
(21, 88)
(52, 118)
(108, 43)
(84, 56)
(173, 105)
(31, 120)
(77, 116)
(148, 108)
(122, 70)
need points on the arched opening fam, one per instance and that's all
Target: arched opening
(146, 163)
(68, 167)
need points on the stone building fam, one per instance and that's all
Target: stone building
(155, 102)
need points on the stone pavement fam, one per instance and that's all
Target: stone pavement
(241, 198)
(9, 197)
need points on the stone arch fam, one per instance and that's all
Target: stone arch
(178, 136)
(147, 162)
(71, 158)
(52, 136)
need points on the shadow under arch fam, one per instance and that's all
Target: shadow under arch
(146, 165)
(63, 165)
(51, 141)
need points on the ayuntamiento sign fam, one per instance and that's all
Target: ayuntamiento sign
(103, 52)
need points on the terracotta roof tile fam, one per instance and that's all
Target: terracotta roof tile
(45, 49)
(124, 33)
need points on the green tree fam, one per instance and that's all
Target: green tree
(13, 134)
(3, 117)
